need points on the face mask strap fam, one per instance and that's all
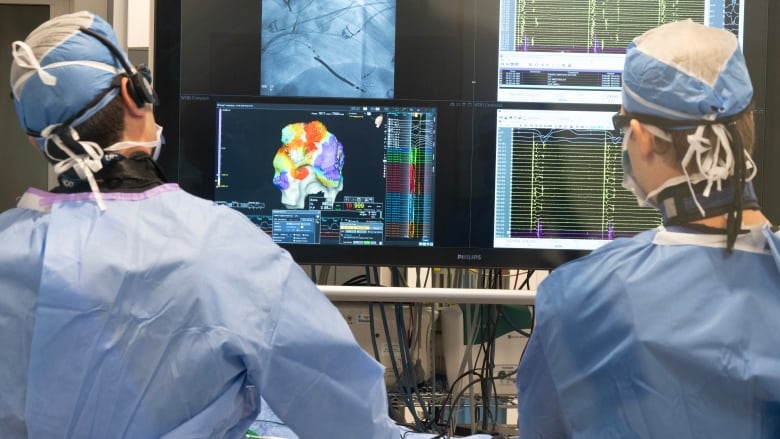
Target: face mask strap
(156, 144)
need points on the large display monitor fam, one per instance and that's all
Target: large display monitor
(416, 132)
(572, 51)
(330, 175)
(558, 182)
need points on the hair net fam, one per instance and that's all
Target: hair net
(58, 71)
(705, 78)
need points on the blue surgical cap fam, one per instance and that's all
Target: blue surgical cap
(686, 71)
(60, 73)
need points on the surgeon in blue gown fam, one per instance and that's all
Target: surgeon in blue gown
(672, 333)
(131, 309)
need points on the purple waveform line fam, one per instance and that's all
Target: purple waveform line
(540, 233)
(526, 46)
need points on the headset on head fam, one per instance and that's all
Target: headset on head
(138, 86)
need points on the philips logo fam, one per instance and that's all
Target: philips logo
(462, 257)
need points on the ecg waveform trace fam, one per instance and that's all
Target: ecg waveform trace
(409, 149)
(567, 184)
(601, 26)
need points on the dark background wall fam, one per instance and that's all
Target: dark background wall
(21, 166)
(771, 159)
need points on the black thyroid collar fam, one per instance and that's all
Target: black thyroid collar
(136, 173)
(678, 206)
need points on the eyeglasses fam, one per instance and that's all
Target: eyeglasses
(620, 121)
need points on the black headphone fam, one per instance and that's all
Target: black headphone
(138, 86)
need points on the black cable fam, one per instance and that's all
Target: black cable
(398, 278)
(734, 216)
(480, 358)
(368, 275)
(409, 376)
(493, 279)
(471, 383)
(482, 351)
(489, 385)
(527, 282)
(517, 279)
(449, 397)
(372, 328)
(407, 397)
(498, 280)
(360, 279)
(533, 324)
(377, 281)
(408, 366)
(512, 324)
(485, 347)
(373, 331)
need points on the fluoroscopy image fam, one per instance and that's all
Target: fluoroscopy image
(328, 48)
(309, 161)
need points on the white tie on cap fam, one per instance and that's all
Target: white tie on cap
(714, 168)
(85, 165)
(24, 57)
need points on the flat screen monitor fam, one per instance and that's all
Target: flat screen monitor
(439, 133)
(330, 175)
(573, 51)
(559, 182)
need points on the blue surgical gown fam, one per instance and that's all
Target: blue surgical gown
(663, 335)
(167, 316)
